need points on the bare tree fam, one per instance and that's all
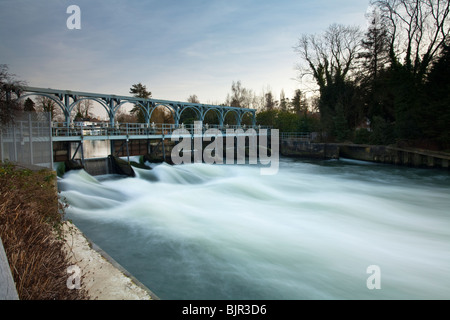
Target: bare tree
(330, 59)
(418, 30)
(83, 109)
(193, 99)
(329, 55)
(240, 97)
(45, 104)
(125, 117)
(9, 86)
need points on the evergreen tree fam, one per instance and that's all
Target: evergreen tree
(9, 108)
(139, 91)
(284, 102)
(299, 103)
(375, 59)
(341, 130)
(436, 114)
(269, 101)
(28, 105)
(375, 47)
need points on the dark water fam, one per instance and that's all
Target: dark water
(310, 232)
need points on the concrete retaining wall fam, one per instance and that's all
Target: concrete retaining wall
(7, 286)
(393, 155)
(380, 154)
(98, 167)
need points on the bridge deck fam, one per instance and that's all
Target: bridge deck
(133, 131)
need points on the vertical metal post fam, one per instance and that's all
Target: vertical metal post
(163, 147)
(82, 151)
(128, 152)
(51, 140)
(30, 131)
(1, 144)
(111, 112)
(14, 143)
(21, 152)
(82, 144)
(111, 143)
(66, 109)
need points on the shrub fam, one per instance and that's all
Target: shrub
(362, 136)
(30, 227)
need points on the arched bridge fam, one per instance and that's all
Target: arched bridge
(67, 101)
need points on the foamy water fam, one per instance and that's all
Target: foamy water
(202, 231)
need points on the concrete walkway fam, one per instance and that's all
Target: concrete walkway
(101, 276)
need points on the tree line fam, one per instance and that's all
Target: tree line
(388, 84)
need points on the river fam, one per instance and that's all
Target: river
(316, 230)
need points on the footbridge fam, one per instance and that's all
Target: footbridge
(67, 101)
(69, 138)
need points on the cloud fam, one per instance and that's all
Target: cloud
(177, 48)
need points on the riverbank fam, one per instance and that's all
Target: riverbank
(41, 247)
(101, 276)
(394, 155)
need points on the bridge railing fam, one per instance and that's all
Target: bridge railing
(136, 129)
(302, 136)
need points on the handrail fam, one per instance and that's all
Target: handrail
(128, 129)
(305, 136)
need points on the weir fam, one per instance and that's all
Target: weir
(310, 232)
(212, 145)
(67, 139)
(43, 142)
(302, 145)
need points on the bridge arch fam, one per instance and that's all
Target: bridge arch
(79, 100)
(167, 106)
(137, 103)
(236, 115)
(197, 110)
(54, 98)
(248, 112)
(219, 114)
(67, 100)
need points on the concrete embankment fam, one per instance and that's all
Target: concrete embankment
(99, 274)
(397, 156)
(102, 276)
(379, 154)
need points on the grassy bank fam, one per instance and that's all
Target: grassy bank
(31, 230)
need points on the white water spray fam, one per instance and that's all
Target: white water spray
(202, 231)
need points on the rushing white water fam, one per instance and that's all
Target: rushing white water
(310, 232)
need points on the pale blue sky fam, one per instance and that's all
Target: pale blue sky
(175, 48)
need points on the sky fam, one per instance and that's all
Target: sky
(175, 48)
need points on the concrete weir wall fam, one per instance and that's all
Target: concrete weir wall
(379, 154)
(396, 156)
(98, 167)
